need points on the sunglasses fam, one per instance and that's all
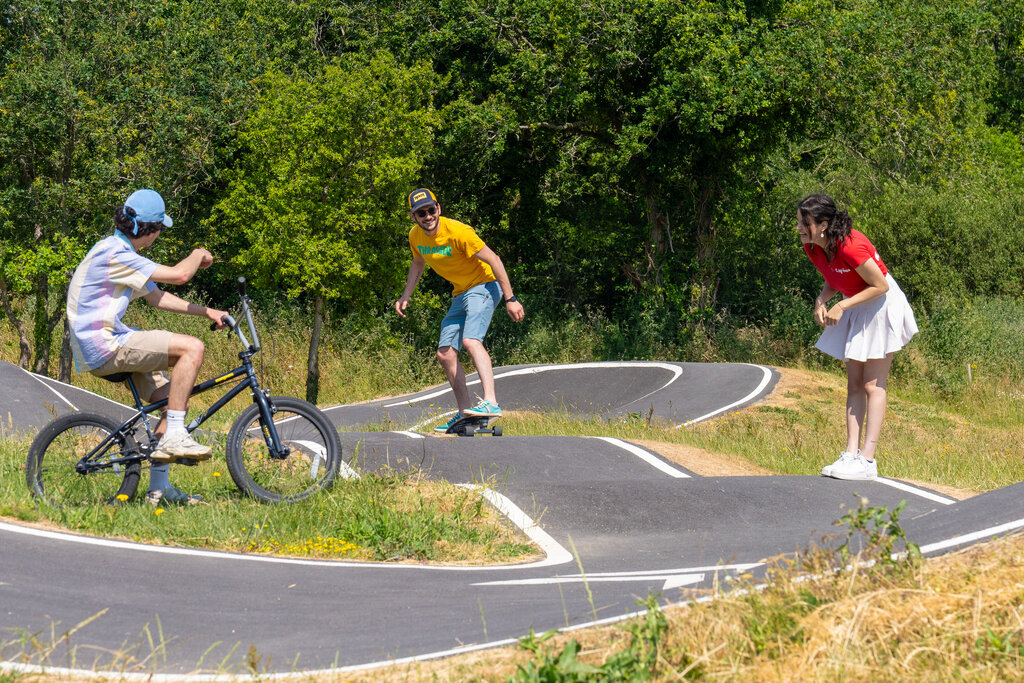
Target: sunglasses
(429, 211)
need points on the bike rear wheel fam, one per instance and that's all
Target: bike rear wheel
(311, 465)
(51, 471)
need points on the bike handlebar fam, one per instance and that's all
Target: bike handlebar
(230, 322)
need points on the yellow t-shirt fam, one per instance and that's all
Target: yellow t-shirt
(450, 253)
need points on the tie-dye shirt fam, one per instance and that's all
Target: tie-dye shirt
(105, 282)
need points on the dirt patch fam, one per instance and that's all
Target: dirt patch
(703, 462)
(952, 492)
(795, 385)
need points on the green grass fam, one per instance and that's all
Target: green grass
(390, 515)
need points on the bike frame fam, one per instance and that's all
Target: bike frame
(248, 381)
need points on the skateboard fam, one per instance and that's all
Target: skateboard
(471, 425)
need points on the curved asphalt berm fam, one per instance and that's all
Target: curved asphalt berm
(635, 522)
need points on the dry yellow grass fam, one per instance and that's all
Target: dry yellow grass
(955, 617)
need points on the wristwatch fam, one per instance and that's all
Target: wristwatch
(511, 299)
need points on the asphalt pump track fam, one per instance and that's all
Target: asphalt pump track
(614, 522)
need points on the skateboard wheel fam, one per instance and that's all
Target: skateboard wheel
(497, 430)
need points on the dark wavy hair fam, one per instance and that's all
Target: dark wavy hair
(821, 208)
(123, 220)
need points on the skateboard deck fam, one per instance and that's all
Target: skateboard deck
(471, 425)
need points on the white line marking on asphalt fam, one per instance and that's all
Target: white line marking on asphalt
(677, 577)
(435, 418)
(742, 567)
(916, 491)
(40, 380)
(411, 435)
(676, 372)
(555, 553)
(220, 677)
(45, 381)
(749, 397)
(645, 456)
(973, 536)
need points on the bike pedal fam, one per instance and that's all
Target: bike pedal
(187, 462)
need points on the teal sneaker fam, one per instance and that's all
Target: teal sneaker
(443, 429)
(484, 409)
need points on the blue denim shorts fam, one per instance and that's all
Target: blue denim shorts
(470, 315)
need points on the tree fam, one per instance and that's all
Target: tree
(98, 98)
(318, 193)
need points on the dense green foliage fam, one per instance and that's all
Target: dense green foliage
(636, 163)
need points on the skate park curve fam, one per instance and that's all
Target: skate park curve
(634, 521)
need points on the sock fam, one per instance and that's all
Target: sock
(158, 477)
(175, 421)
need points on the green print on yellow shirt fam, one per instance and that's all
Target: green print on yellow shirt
(430, 251)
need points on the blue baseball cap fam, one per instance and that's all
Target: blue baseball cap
(420, 198)
(149, 207)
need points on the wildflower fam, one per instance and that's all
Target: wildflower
(122, 497)
(216, 474)
(158, 511)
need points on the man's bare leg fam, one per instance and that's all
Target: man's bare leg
(185, 355)
(482, 361)
(448, 357)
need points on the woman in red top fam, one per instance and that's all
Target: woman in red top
(871, 322)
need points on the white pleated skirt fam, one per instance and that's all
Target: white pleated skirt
(871, 330)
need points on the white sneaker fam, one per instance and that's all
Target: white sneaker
(180, 445)
(826, 471)
(855, 469)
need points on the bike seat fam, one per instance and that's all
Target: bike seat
(116, 377)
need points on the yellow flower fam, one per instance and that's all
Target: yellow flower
(158, 511)
(216, 474)
(121, 497)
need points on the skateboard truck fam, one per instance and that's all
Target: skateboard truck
(471, 425)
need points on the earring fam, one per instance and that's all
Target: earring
(822, 234)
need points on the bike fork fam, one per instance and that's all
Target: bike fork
(270, 436)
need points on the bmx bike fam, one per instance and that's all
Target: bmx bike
(280, 449)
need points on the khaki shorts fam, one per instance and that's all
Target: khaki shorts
(145, 356)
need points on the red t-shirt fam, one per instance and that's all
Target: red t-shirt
(841, 273)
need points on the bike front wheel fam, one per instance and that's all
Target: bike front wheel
(53, 473)
(311, 464)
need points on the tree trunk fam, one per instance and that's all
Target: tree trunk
(704, 294)
(45, 323)
(40, 329)
(25, 347)
(313, 366)
(66, 364)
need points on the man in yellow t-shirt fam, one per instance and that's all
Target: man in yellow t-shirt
(478, 280)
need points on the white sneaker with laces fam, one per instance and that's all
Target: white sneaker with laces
(180, 445)
(855, 469)
(826, 471)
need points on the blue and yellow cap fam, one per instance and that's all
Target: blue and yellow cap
(420, 198)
